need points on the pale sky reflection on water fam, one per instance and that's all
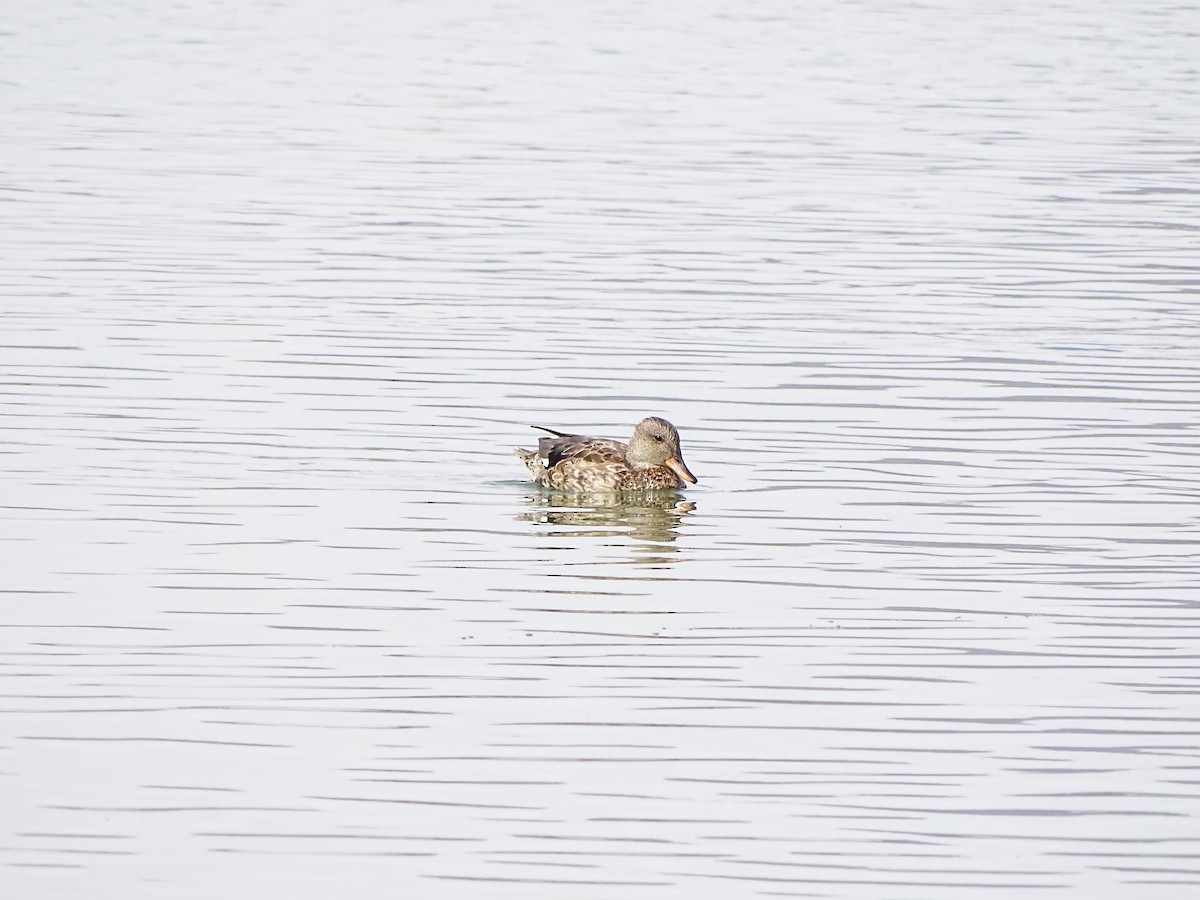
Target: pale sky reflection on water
(284, 284)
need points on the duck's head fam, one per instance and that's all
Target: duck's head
(655, 442)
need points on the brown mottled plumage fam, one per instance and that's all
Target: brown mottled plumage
(650, 461)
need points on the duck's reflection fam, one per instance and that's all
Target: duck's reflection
(650, 518)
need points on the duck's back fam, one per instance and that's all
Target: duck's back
(575, 462)
(597, 451)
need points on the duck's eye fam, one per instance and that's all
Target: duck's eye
(659, 438)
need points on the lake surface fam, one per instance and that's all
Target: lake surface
(283, 285)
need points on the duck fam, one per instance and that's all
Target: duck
(650, 461)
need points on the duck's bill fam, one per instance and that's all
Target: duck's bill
(675, 464)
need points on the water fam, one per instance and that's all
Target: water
(285, 283)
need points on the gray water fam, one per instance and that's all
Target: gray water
(284, 283)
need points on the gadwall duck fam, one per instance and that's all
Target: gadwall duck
(570, 462)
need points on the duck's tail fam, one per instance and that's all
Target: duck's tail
(533, 462)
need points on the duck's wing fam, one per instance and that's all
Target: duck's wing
(576, 447)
